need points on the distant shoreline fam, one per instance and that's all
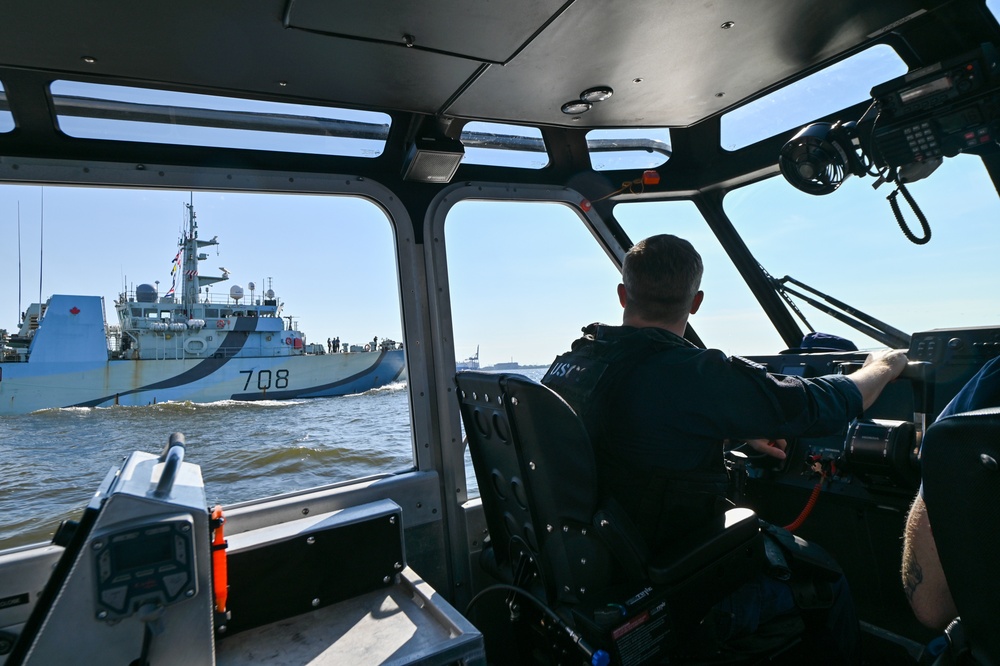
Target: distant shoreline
(508, 366)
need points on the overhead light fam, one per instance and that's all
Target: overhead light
(576, 107)
(598, 94)
(432, 157)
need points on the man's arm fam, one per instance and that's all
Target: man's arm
(879, 369)
(923, 578)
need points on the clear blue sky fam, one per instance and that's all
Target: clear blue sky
(331, 259)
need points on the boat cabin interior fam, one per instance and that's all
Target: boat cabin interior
(514, 152)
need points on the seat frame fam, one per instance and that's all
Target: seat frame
(553, 534)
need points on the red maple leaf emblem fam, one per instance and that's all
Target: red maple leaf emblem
(74, 310)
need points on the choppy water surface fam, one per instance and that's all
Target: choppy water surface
(52, 461)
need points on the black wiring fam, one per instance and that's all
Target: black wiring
(894, 205)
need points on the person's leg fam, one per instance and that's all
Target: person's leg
(755, 603)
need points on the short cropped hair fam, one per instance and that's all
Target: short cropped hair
(662, 275)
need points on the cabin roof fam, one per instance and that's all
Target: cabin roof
(677, 64)
(514, 61)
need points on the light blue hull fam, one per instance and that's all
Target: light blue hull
(27, 387)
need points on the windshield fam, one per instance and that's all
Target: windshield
(849, 245)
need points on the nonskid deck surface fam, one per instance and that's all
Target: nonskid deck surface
(402, 624)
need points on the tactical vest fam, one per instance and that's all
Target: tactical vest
(661, 502)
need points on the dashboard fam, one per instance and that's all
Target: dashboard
(850, 492)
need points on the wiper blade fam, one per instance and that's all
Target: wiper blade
(874, 328)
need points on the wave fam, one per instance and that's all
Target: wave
(394, 387)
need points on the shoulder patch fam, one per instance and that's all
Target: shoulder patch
(574, 376)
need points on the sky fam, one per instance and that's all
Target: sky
(525, 277)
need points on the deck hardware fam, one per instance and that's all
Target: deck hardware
(386, 580)
(315, 603)
(989, 462)
(311, 540)
(513, 401)
(531, 464)
(392, 520)
(727, 25)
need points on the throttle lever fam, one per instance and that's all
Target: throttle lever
(921, 373)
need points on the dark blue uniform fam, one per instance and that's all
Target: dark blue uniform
(658, 409)
(980, 392)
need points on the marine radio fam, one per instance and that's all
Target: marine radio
(937, 111)
(914, 121)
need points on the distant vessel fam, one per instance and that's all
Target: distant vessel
(471, 363)
(200, 347)
(507, 365)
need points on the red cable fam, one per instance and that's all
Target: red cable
(807, 509)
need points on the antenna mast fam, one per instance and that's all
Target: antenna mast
(41, 246)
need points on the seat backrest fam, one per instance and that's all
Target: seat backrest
(537, 480)
(961, 475)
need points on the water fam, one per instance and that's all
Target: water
(54, 460)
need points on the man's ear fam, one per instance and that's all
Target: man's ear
(696, 303)
(622, 296)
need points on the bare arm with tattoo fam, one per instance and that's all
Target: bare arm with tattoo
(923, 579)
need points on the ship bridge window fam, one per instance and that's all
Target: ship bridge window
(563, 280)
(849, 246)
(243, 404)
(829, 90)
(94, 111)
(730, 317)
(616, 149)
(496, 144)
(6, 119)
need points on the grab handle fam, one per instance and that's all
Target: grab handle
(172, 457)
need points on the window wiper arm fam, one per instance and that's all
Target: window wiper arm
(888, 335)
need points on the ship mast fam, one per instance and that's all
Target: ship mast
(190, 258)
